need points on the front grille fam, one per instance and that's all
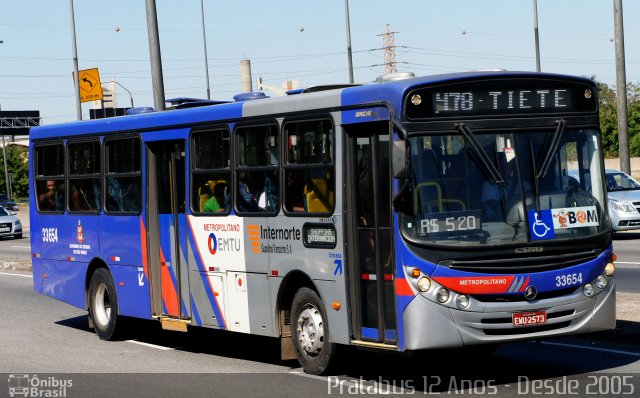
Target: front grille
(526, 330)
(510, 298)
(5, 225)
(521, 265)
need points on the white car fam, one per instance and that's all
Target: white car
(624, 200)
(9, 224)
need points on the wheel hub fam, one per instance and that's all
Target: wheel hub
(310, 329)
(102, 305)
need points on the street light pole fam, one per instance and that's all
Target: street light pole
(621, 90)
(535, 31)
(206, 60)
(76, 78)
(4, 155)
(125, 89)
(154, 55)
(346, 11)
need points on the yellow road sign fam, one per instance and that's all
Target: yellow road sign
(90, 87)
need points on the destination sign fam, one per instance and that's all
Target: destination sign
(502, 100)
(504, 97)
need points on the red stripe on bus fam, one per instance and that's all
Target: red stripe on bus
(169, 293)
(403, 288)
(477, 284)
(524, 285)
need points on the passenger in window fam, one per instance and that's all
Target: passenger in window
(216, 203)
(47, 199)
(246, 200)
(268, 200)
(295, 195)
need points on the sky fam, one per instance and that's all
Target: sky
(304, 40)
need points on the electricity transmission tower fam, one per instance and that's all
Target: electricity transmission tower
(389, 47)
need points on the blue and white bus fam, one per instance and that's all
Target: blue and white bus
(406, 214)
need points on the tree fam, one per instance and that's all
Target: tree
(609, 119)
(18, 165)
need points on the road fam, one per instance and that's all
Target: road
(626, 245)
(42, 336)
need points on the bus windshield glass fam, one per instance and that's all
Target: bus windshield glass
(506, 187)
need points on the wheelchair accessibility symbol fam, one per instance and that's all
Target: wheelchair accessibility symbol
(541, 225)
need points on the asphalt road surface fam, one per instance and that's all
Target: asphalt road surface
(44, 337)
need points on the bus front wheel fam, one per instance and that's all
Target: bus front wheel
(310, 332)
(103, 304)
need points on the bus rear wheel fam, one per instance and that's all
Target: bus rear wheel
(103, 304)
(310, 333)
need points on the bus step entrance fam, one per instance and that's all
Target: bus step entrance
(177, 325)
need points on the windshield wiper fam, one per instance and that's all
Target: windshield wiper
(480, 153)
(553, 147)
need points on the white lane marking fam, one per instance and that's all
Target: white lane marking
(626, 262)
(22, 247)
(24, 276)
(635, 354)
(158, 347)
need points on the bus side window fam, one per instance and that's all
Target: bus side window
(211, 174)
(84, 165)
(309, 169)
(49, 176)
(257, 169)
(123, 183)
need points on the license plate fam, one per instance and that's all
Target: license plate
(529, 318)
(6, 229)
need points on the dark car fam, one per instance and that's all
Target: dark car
(7, 203)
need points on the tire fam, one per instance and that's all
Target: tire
(17, 236)
(310, 333)
(103, 304)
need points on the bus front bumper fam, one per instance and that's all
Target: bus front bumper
(431, 325)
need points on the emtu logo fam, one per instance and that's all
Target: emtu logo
(212, 243)
(254, 237)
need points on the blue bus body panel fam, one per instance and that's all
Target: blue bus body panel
(132, 289)
(63, 280)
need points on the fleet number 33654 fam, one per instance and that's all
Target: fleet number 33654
(569, 279)
(50, 235)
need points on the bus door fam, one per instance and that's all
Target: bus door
(369, 232)
(167, 229)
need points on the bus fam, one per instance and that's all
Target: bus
(411, 213)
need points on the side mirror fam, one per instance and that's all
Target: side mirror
(399, 159)
(13, 212)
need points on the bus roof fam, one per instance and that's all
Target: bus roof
(391, 93)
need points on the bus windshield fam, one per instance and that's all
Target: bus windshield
(505, 187)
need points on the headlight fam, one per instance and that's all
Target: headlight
(442, 295)
(601, 281)
(18, 222)
(424, 284)
(621, 206)
(588, 290)
(462, 301)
